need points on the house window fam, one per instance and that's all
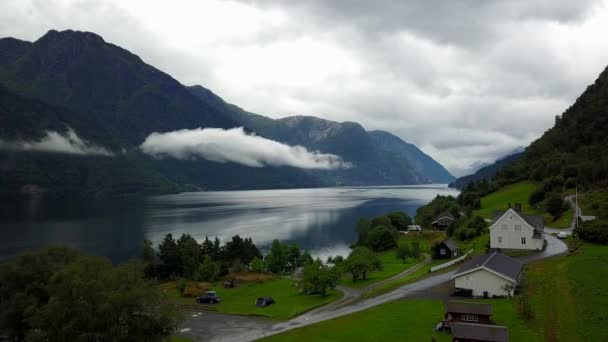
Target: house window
(523, 240)
(470, 318)
(517, 228)
(442, 251)
(504, 227)
(500, 239)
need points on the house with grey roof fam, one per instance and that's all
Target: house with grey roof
(472, 332)
(514, 230)
(489, 275)
(446, 249)
(444, 220)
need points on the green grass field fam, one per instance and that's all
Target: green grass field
(498, 201)
(569, 295)
(407, 320)
(241, 299)
(390, 267)
(289, 302)
(519, 192)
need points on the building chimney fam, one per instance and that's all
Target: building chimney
(509, 205)
(518, 207)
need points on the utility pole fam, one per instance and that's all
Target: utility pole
(576, 213)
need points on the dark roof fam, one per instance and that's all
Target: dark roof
(536, 221)
(497, 262)
(480, 332)
(451, 245)
(446, 214)
(469, 308)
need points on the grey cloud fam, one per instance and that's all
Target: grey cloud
(234, 145)
(54, 142)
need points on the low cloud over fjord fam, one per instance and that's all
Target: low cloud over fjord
(55, 142)
(236, 146)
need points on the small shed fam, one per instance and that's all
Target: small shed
(443, 221)
(472, 332)
(447, 249)
(467, 312)
(489, 275)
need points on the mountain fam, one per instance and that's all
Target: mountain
(485, 173)
(423, 164)
(379, 157)
(73, 81)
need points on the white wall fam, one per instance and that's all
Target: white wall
(480, 281)
(511, 239)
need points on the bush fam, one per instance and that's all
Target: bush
(209, 270)
(593, 231)
(257, 265)
(382, 238)
(195, 289)
(536, 197)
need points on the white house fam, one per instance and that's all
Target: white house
(513, 230)
(493, 274)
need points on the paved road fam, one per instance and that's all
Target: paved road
(241, 330)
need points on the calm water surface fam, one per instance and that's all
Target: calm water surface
(320, 220)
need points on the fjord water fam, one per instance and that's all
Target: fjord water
(320, 220)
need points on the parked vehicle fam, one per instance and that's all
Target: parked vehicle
(264, 302)
(562, 235)
(414, 228)
(209, 297)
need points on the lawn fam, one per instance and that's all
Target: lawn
(497, 201)
(569, 295)
(519, 192)
(241, 299)
(407, 320)
(397, 321)
(417, 275)
(390, 267)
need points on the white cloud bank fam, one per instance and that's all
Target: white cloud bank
(234, 145)
(54, 142)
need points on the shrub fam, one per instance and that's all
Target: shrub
(382, 238)
(195, 289)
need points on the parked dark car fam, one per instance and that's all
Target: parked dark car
(209, 297)
(463, 292)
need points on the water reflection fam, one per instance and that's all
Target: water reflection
(321, 220)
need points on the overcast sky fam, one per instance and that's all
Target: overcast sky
(466, 81)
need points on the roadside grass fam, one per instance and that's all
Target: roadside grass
(424, 271)
(478, 244)
(390, 267)
(404, 320)
(569, 296)
(240, 300)
(562, 222)
(504, 312)
(391, 264)
(396, 321)
(178, 339)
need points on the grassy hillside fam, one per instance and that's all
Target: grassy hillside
(520, 192)
(568, 301)
(408, 320)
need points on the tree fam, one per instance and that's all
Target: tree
(168, 253)
(189, 255)
(362, 261)
(400, 220)
(257, 265)
(294, 256)
(415, 249)
(382, 221)
(277, 258)
(382, 238)
(240, 249)
(363, 228)
(208, 270)
(306, 258)
(555, 205)
(207, 248)
(76, 297)
(403, 252)
(317, 278)
(23, 287)
(148, 257)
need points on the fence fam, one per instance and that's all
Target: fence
(450, 263)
